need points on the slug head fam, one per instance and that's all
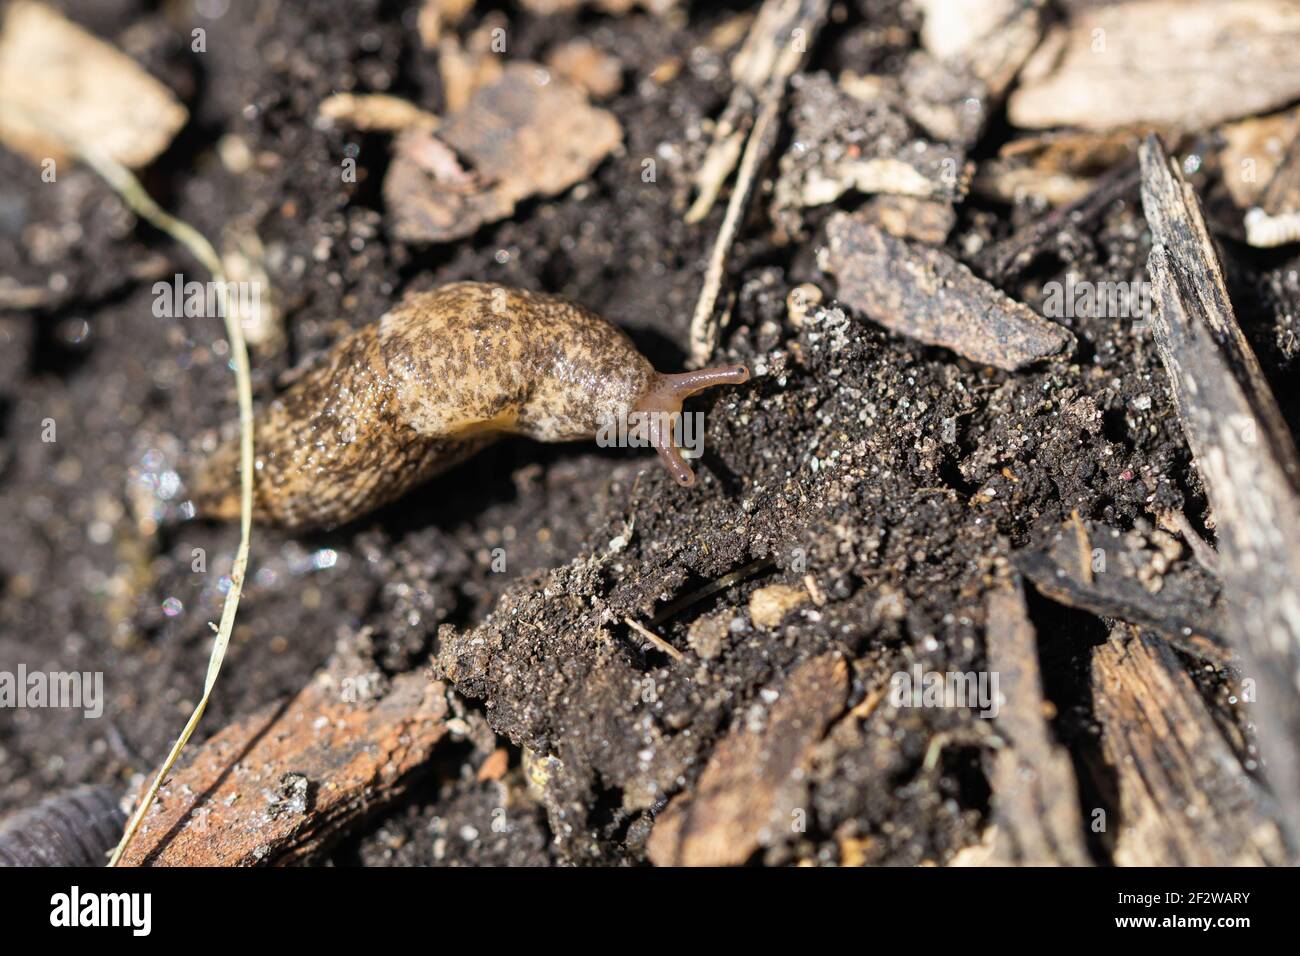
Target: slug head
(661, 405)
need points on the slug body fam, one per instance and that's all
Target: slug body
(430, 383)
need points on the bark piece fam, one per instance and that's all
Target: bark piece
(277, 786)
(747, 791)
(1184, 799)
(1255, 150)
(1245, 456)
(525, 134)
(61, 87)
(926, 294)
(1062, 569)
(1184, 63)
(991, 38)
(1035, 794)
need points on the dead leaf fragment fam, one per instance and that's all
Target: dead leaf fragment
(62, 87)
(525, 134)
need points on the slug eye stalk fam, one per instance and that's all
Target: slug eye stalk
(663, 403)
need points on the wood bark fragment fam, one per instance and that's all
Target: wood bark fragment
(277, 786)
(748, 790)
(1245, 455)
(1183, 797)
(1183, 63)
(1035, 794)
(926, 294)
(1062, 571)
(991, 38)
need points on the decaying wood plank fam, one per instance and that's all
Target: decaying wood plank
(1061, 568)
(926, 294)
(1183, 63)
(277, 786)
(1035, 794)
(1183, 797)
(1245, 455)
(747, 791)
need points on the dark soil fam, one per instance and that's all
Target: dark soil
(897, 476)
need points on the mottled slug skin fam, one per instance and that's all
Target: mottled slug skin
(417, 392)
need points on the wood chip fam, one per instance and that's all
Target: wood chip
(523, 135)
(587, 66)
(275, 787)
(1185, 63)
(1183, 797)
(926, 294)
(61, 87)
(1253, 152)
(1245, 455)
(1035, 794)
(747, 793)
(768, 606)
(375, 112)
(992, 38)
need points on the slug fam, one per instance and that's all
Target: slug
(73, 828)
(433, 381)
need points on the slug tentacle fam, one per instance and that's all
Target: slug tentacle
(430, 383)
(663, 399)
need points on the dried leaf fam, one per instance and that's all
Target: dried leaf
(525, 134)
(60, 86)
